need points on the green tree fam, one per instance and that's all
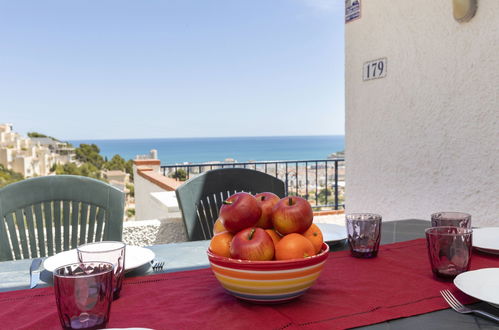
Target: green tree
(119, 163)
(89, 153)
(330, 196)
(40, 135)
(86, 169)
(322, 196)
(179, 174)
(89, 170)
(116, 163)
(131, 189)
(129, 168)
(69, 168)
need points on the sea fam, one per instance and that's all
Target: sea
(209, 149)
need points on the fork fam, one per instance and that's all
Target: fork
(460, 308)
(157, 265)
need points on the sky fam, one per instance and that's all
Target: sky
(116, 69)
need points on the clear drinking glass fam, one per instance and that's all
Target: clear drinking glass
(455, 219)
(83, 294)
(107, 251)
(449, 250)
(364, 233)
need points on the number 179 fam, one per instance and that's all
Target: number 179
(374, 69)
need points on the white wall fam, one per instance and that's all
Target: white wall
(146, 208)
(426, 137)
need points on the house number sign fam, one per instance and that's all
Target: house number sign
(374, 69)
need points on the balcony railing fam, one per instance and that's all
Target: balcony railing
(321, 182)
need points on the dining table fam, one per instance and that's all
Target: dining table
(395, 290)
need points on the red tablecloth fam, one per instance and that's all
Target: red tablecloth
(350, 292)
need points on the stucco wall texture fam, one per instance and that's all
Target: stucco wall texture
(426, 137)
(145, 207)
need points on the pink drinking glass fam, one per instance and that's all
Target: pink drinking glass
(364, 234)
(449, 250)
(83, 294)
(455, 219)
(106, 251)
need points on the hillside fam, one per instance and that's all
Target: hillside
(8, 176)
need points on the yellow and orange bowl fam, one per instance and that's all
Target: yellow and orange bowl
(268, 281)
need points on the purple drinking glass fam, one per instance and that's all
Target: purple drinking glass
(83, 294)
(454, 219)
(106, 251)
(364, 233)
(449, 250)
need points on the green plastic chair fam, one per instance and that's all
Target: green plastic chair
(43, 216)
(200, 198)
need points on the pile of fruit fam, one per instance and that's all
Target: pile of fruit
(265, 227)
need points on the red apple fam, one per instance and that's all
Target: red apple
(252, 244)
(292, 214)
(240, 211)
(267, 200)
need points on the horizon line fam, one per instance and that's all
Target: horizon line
(203, 137)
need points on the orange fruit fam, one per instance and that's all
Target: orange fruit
(294, 246)
(314, 235)
(274, 235)
(218, 227)
(220, 244)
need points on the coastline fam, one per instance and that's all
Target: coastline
(214, 149)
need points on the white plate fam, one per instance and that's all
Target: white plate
(488, 251)
(486, 239)
(332, 233)
(480, 284)
(135, 256)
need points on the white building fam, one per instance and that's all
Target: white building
(29, 156)
(425, 137)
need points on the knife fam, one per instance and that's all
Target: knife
(34, 272)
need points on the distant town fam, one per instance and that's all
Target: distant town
(40, 155)
(31, 156)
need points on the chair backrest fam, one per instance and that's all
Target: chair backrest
(200, 198)
(43, 216)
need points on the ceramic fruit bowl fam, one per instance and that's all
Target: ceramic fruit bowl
(268, 281)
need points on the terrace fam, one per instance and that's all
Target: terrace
(421, 137)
